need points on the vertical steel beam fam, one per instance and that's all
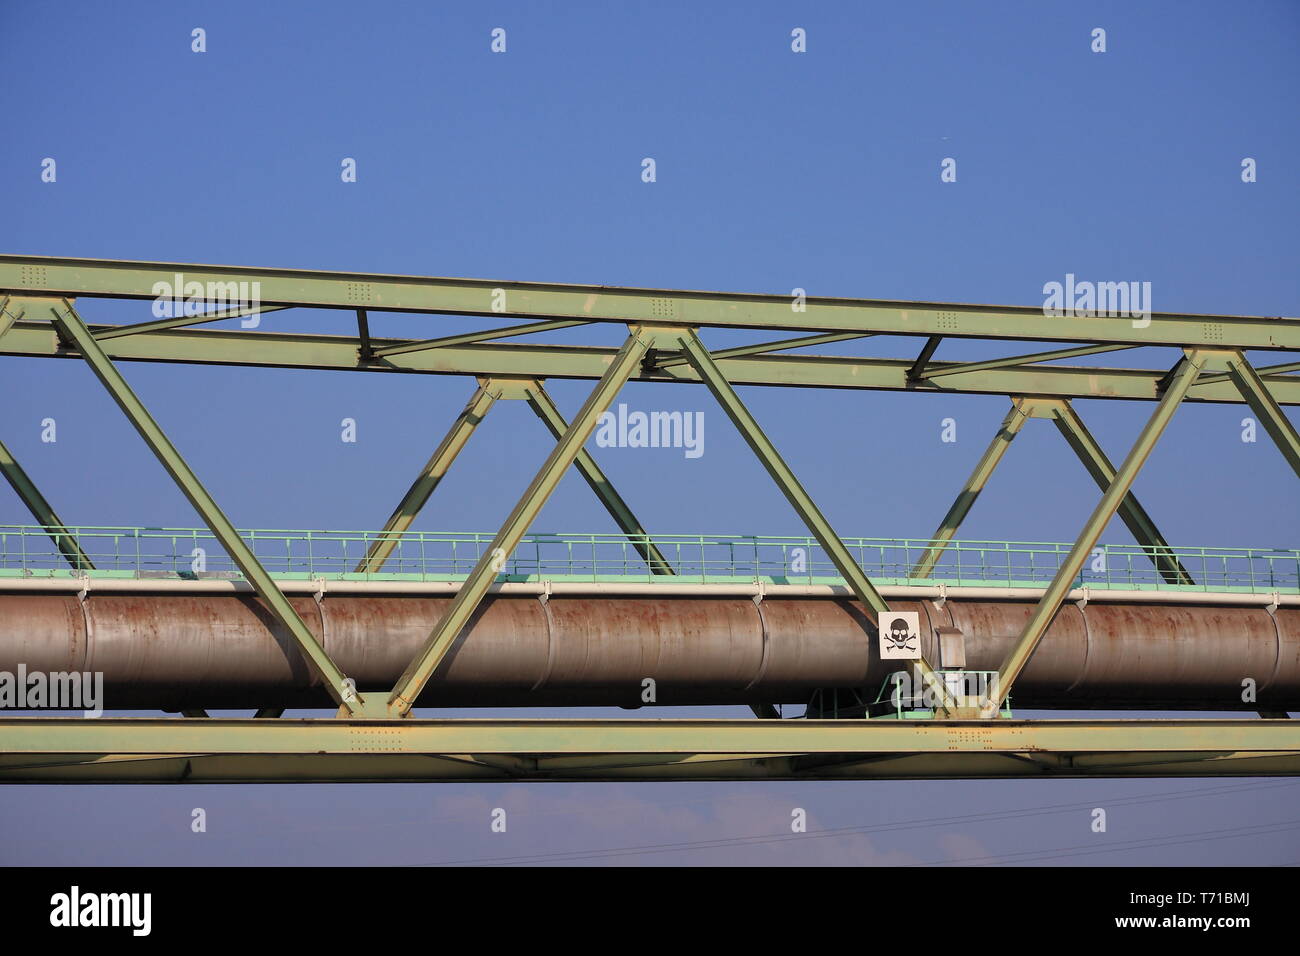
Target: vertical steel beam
(1262, 403)
(74, 331)
(472, 591)
(539, 400)
(1011, 426)
(1180, 381)
(63, 539)
(480, 403)
(917, 371)
(699, 358)
(365, 351)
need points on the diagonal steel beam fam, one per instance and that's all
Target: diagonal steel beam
(26, 489)
(1261, 371)
(1135, 517)
(1012, 361)
(472, 591)
(762, 348)
(984, 468)
(785, 479)
(7, 318)
(539, 400)
(489, 391)
(1263, 404)
(469, 338)
(184, 321)
(74, 331)
(1076, 434)
(31, 496)
(479, 404)
(1181, 380)
(795, 493)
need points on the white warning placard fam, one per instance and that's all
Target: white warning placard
(900, 636)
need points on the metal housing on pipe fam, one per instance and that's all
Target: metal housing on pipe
(176, 651)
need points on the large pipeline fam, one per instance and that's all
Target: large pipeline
(174, 650)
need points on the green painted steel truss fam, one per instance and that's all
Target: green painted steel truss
(374, 738)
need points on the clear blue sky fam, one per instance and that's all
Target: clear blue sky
(774, 170)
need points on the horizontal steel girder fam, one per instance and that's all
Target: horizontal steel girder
(153, 750)
(41, 275)
(336, 352)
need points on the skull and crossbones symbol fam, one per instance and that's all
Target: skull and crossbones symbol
(899, 636)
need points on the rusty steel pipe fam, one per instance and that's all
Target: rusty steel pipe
(175, 651)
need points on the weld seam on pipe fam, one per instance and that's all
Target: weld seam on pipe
(544, 601)
(1087, 648)
(1277, 657)
(764, 636)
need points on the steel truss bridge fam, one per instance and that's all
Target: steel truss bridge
(375, 737)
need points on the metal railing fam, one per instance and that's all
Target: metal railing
(191, 553)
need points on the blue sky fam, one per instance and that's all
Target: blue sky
(775, 170)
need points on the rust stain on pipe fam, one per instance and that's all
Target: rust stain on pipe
(176, 652)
